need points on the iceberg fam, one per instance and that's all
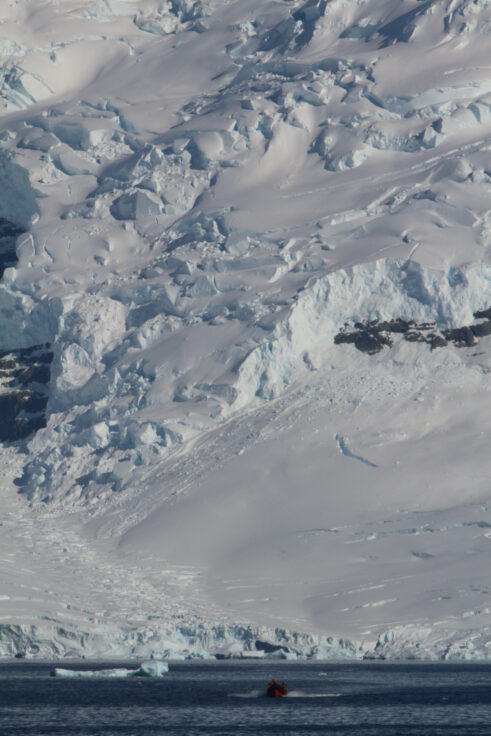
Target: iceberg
(152, 668)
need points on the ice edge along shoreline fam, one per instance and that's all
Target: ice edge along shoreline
(221, 641)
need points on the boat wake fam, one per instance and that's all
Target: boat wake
(250, 694)
(291, 694)
(302, 694)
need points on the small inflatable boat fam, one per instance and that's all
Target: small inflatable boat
(275, 690)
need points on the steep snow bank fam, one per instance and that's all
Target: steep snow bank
(384, 290)
(111, 388)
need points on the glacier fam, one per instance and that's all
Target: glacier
(242, 246)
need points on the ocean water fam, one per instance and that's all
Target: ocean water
(227, 698)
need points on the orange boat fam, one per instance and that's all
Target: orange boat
(275, 690)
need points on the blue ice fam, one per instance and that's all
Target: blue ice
(344, 450)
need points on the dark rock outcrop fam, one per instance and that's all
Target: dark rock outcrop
(24, 375)
(372, 336)
(9, 232)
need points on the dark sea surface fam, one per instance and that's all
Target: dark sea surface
(227, 698)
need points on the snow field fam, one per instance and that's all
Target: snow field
(204, 195)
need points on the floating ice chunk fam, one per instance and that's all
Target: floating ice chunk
(117, 672)
(152, 668)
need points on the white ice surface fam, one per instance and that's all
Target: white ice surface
(210, 191)
(146, 669)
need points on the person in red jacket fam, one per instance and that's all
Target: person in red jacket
(275, 690)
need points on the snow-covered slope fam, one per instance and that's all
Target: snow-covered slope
(246, 326)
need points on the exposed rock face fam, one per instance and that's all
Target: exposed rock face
(9, 232)
(371, 337)
(24, 378)
(24, 372)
